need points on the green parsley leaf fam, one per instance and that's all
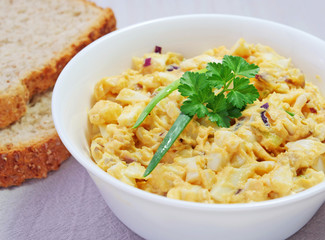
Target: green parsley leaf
(233, 111)
(218, 103)
(218, 74)
(193, 83)
(193, 106)
(240, 66)
(219, 112)
(221, 118)
(242, 93)
(196, 87)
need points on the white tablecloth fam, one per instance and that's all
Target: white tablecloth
(67, 205)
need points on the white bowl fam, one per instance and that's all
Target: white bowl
(156, 217)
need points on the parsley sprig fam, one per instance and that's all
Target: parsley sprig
(219, 92)
(231, 77)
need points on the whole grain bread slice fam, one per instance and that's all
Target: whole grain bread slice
(37, 39)
(31, 147)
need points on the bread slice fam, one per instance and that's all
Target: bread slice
(37, 39)
(31, 147)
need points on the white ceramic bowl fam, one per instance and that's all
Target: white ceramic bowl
(156, 217)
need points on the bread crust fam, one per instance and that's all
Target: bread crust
(13, 104)
(34, 161)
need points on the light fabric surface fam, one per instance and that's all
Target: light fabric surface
(67, 205)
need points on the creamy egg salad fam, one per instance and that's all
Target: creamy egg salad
(276, 148)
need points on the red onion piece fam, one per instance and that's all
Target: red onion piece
(158, 49)
(147, 62)
(171, 68)
(264, 119)
(265, 106)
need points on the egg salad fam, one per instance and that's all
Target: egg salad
(275, 149)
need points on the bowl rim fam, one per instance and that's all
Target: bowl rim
(147, 196)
